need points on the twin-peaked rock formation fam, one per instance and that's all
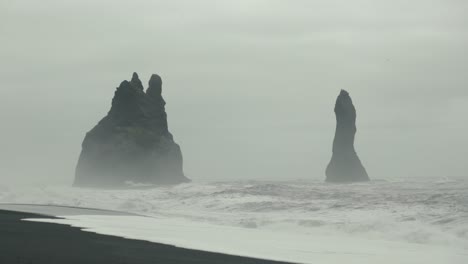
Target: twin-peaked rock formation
(345, 165)
(132, 143)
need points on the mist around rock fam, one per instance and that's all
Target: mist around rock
(345, 165)
(132, 144)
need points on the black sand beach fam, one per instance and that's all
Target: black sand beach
(24, 242)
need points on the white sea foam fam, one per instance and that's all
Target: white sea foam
(265, 244)
(420, 213)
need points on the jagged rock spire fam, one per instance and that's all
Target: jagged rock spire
(136, 81)
(133, 142)
(155, 86)
(345, 165)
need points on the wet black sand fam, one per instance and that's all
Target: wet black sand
(24, 242)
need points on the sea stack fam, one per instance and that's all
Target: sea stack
(132, 144)
(345, 165)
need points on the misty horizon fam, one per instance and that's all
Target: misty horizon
(250, 86)
(224, 131)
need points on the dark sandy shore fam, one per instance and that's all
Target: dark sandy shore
(24, 242)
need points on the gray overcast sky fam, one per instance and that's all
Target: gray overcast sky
(250, 85)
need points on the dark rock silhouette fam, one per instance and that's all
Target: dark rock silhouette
(132, 143)
(345, 165)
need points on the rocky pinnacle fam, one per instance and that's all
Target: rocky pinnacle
(132, 143)
(345, 165)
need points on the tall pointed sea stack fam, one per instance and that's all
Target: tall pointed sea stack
(345, 165)
(132, 143)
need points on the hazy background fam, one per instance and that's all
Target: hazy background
(250, 85)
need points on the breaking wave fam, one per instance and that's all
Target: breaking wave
(434, 212)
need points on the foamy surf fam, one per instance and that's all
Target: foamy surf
(278, 245)
(413, 216)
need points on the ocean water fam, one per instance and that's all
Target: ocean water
(400, 221)
(422, 212)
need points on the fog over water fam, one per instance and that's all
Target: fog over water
(250, 85)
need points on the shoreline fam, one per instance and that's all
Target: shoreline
(46, 243)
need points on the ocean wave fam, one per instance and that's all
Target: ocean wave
(427, 212)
